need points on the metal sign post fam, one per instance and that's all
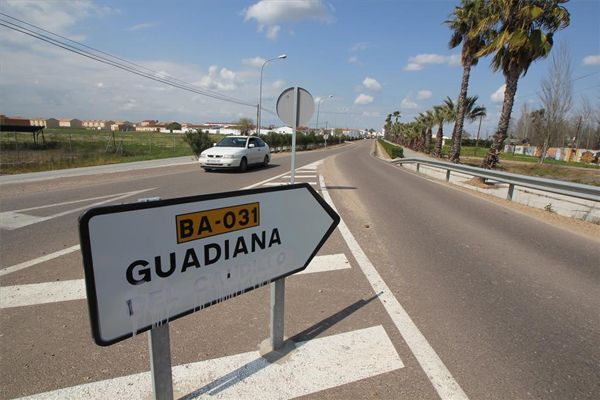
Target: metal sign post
(160, 362)
(159, 349)
(295, 106)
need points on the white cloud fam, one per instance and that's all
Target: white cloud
(353, 60)
(54, 16)
(145, 25)
(273, 32)
(361, 46)
(454, 60)
(253, 62)
(272, 14)
(408, 103)
(498, 95)
(278, 84)
(417, 63)
(371, 114)
(100, 84)
(371, 84)
(363, 99)
(591, 60)
(223, 79)
(413, 67)
(424, 94)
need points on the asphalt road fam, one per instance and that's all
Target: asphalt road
(442, 294)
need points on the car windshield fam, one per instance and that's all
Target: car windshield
(232, 142)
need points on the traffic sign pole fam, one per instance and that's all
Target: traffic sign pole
(160, 362)
(159, 348)
(276, 325)
(294, 127)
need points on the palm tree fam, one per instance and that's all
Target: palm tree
(388, 127)
(396, 115)
(427, 120)
(443, 113)
(472, 110)
(517, 32)
(463, 21)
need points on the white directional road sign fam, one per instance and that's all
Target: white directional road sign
(150, 263)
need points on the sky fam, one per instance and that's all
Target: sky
(373, 56)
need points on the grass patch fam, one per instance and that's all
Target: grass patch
(587, 176)
(70, 148)
(394, 151)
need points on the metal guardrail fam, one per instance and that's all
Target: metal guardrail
(578, 190)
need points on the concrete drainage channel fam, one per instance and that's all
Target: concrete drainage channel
(586, 209)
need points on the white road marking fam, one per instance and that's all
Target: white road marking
(13, 220)
(47, 257)
(64, 203)
(430, 362)
(300, 176)
(286, 183)
(51, 292)
(330, 262)
(41, 293)
(314, 365)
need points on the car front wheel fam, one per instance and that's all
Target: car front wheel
(243, 165)
(266, 161)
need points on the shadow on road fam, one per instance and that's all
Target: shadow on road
(251, 169)
(340, 188)
(290, 345)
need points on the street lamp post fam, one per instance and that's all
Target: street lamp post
(259, 114)
(319, 108)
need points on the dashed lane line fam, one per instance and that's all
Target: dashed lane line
(39, 260)
(311, 367)
(52, 292)
(440, 377)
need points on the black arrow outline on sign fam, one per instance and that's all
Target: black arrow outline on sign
(88, 264)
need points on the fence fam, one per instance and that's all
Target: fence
(586, 192)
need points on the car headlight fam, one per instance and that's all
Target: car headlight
(229, 156)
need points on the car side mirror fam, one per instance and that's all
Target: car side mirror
(251, 146)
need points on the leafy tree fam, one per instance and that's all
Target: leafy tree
(246, 126)
(198, 141)
(517, 33)
(463, 22)
(174, 126)
(556, 97)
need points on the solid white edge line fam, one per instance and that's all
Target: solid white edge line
(313, 366)
(47, 257)
(430, 362)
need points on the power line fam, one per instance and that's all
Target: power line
(132, 67)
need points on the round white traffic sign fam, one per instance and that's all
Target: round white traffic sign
(304, 104)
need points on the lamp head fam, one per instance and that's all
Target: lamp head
(282, 56)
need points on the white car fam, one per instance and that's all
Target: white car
(236, 152)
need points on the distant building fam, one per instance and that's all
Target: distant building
(122, 126)
(14, 121)
(45, 122)
(70, 123)
(147, 122)
(38, 122)
(52, 123)
(97, 124)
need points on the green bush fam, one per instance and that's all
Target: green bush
(198, 141)
(393, 150)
